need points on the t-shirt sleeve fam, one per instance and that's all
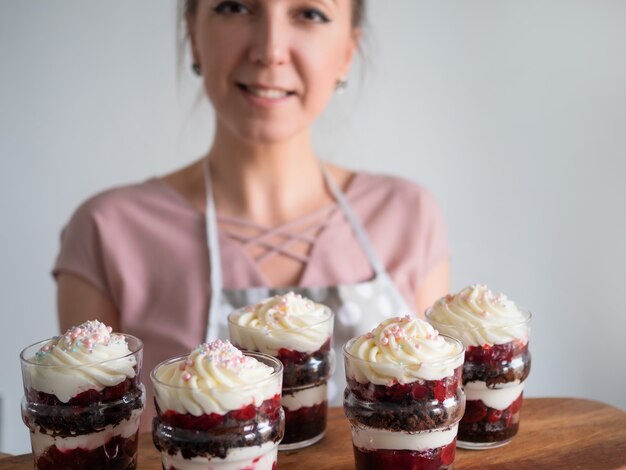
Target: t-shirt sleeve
(81, 252)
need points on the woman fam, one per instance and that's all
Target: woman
(169, 258)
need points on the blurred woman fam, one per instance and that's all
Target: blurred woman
(259, 214)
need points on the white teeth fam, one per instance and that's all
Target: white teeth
(269, 93)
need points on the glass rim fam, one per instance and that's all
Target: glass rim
(330, 318)
(278, 371)
(526, 313)
(441, 362)
(133, 351)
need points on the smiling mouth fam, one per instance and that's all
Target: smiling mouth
(267, 93)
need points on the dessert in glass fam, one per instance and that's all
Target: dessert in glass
(297, 331)
(497, 362)
(218, 409)
(83, 399)
(403, 396)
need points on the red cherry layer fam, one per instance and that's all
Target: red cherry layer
(301, 369)
(269, 408)
(117, 454)
(481, 423)
(289, 356)
(496, 354)
(497, 364)
(85, 398)
(431, 459)
(419, 390)
(213, 435)
(305, 423)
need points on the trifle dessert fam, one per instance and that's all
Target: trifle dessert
(297, 331)
(218, 409)
(83, 399)
(497, 362)
(403, 396)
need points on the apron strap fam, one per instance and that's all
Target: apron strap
(359, 230)
(361, 235)
(215, 263)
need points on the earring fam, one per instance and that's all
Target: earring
(341, 86)
(196, 68)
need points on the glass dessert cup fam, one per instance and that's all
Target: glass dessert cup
(412, 425)
(305, 376)
(493, 380)
(95, 429)
(246, 437)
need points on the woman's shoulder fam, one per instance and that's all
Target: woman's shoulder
(130, 206)
(121, 198)
(380, 191)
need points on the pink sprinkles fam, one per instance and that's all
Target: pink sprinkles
(85, 336)
(397, 333)
(222, 354)
(276, 312)
(278, 307)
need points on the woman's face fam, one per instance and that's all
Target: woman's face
(270, 66)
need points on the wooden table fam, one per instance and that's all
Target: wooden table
(555, 433)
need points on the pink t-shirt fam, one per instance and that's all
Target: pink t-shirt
(144, 247)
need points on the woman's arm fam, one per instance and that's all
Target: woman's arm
(435, 285)
(78, 301)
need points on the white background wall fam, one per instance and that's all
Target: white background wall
(512, 113)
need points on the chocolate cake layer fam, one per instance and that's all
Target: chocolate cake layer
(495, 373)
(218, 441)
(69, 421)
(316, 369)
(486, 432)
(419, 415)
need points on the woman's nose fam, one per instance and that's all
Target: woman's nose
(269, 42)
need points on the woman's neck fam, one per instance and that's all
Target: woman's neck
(267, 184)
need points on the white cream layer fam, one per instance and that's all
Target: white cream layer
(285, 321)
(257, 457)
(402, 350)
(126, 428)
(304, 398)
(497, 398)
(215, 378)
(85, 357)
(477, 316)
(372, 439)
(306, 340)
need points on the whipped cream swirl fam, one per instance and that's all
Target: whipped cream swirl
(402, 350)
(478, 317)
(86, 357)
(288, 321)
(215, 378)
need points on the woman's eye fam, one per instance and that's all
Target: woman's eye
(315, 15)
(231, 8)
